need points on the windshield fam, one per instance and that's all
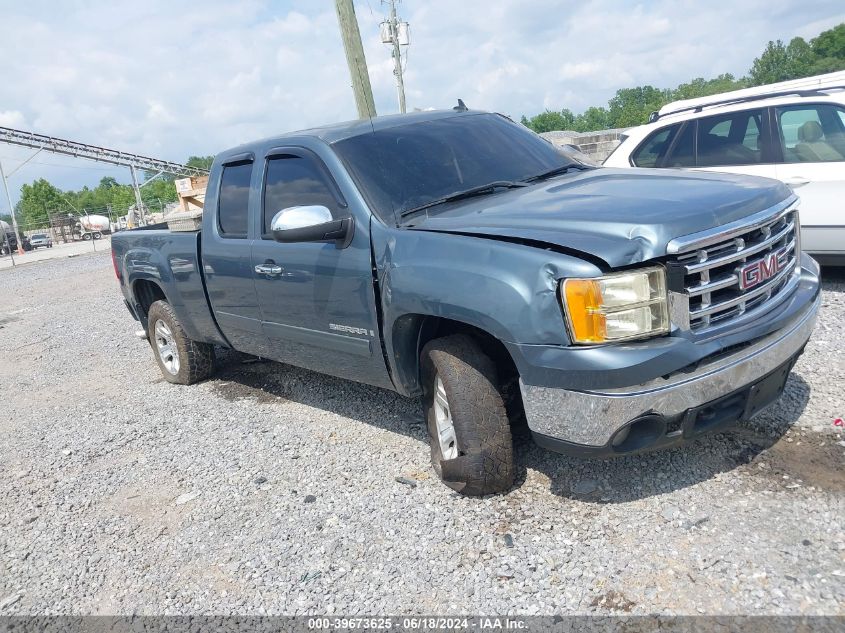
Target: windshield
(409, 166)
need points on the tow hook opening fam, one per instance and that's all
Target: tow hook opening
(639, 434)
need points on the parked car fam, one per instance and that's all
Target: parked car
(10, 241)
(793, 131)
(40, 239)
(458, 256)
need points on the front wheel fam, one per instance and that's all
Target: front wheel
(468, 427)
(181, 360)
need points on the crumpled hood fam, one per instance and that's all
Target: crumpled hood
(621, 216)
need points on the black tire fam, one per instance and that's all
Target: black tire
(86, 237)
(196, 360)
(484, 462)
(97, 235)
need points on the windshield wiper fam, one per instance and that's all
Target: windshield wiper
(480, 190)
(554, 172)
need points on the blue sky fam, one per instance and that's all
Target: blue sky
(170, 79)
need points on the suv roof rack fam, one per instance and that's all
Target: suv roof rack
(805, 86)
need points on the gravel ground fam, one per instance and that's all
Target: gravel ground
(270, 489)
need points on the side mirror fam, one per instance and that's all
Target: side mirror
(312, 223)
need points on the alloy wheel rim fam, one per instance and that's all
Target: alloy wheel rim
(166, 345)
(444, 425)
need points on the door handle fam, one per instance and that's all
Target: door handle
(268, 269)
(797, 181)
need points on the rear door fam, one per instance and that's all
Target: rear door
(227, 258)
(811, 139)
(318, 308)
(736, 142)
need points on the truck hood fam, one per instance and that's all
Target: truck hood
(621, 216)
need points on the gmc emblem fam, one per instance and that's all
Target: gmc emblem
(756, 272)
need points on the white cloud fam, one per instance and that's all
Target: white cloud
(12, 118)
(174, 78)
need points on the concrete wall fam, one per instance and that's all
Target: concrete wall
(596, 145)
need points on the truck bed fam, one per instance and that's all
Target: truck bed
(171, 260)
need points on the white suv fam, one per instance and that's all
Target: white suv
(793, 131)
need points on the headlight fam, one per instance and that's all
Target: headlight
(616, 307)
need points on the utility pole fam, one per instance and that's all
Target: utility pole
(355, 58)
(393, 37)
(12, 213)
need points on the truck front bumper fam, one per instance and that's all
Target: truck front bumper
(664, 411)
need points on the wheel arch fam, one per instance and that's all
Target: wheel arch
(411, 332)
(146, 292)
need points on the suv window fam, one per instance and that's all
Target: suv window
(649, 153)
(683, 151)
(234, 199)
(730, 139)
(295, 181)
(812, 133)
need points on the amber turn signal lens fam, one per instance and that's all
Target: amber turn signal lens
(583, 300)
(616, 307)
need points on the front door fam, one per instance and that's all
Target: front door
(317, 300)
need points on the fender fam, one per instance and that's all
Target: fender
(508, 290)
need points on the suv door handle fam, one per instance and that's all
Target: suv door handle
(268, 268)
(797, 181)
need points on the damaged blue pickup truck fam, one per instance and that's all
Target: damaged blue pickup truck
(458, 256)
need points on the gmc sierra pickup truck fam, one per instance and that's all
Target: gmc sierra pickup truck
(458, 256)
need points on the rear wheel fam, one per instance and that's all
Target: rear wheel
(181, 360)
(97, 235)
(469, 430)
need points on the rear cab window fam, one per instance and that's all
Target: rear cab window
(233, 204)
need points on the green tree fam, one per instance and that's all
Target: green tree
(631, 106)
(701, 87)
(550, 121)
(593, 118)
(781, 62)
(37, 199)
(829, 49)
(203, 162)
(830, 43)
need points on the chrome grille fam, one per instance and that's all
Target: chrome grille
(711, 270)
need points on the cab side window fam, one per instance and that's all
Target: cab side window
(293, 181)
(812, 133)
(233, 205)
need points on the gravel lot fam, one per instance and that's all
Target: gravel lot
(271, 489)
